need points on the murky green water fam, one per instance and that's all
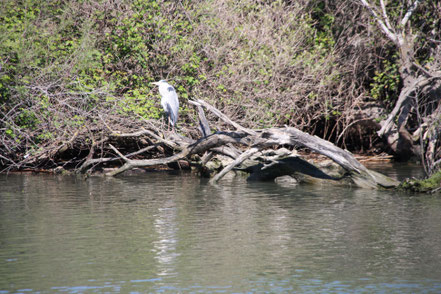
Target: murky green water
(166, 233)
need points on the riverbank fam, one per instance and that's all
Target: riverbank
(76, 78)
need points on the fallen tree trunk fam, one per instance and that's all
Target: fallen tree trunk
(271, 164)
(358, 172)
(255, 141)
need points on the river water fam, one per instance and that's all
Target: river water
(174, 233)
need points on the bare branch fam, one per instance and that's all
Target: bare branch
(409, 12)
(391, 35)
(10, 160)
(247, 154)
(151, 134)
(204, 126)
(402, 101)
(119, 153)
(385, 16)
(435, 75)
(225, 118)
(89, 162)
(199, 146)
(350, 125)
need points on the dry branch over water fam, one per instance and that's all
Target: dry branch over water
(255, 141)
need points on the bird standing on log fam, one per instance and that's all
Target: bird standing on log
(169, 101)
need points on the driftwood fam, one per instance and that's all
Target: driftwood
(255, 145)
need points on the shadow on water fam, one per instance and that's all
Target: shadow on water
(168, 233)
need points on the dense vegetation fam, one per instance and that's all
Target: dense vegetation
(73, 70)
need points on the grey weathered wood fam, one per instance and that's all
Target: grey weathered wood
(291, 166)
(247, 154)
(200, 146)
(293, 136)
(225, 118)
(256, 140)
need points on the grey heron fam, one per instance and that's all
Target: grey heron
(169, 101)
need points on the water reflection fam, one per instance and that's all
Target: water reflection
(165, 245)
(174, 233)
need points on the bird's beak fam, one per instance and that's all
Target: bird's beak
(155, 83)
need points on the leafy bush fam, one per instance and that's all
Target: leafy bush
(386, 83)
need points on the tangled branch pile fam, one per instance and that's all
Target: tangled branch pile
(281, 162)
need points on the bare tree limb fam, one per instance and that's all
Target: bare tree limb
(143, 131)
(119, 153)
(225, 118)
(350, 125)
(385, 16)
(409, 12)
(148, 162)
(391, 35)
(435, 75)
(90, 162)
(293, 136)
(247, 154)
(7, 159)
(203, 122)
(403, 99)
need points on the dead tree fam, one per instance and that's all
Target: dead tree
(421, 83)
(253, 142)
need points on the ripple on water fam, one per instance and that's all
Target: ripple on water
(163, 232)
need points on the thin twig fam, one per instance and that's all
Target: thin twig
(350, 125)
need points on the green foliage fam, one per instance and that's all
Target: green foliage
(141, 102)
(386, 82)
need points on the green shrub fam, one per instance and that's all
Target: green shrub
(386, 83)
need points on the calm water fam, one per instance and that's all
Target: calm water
(174, 233)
